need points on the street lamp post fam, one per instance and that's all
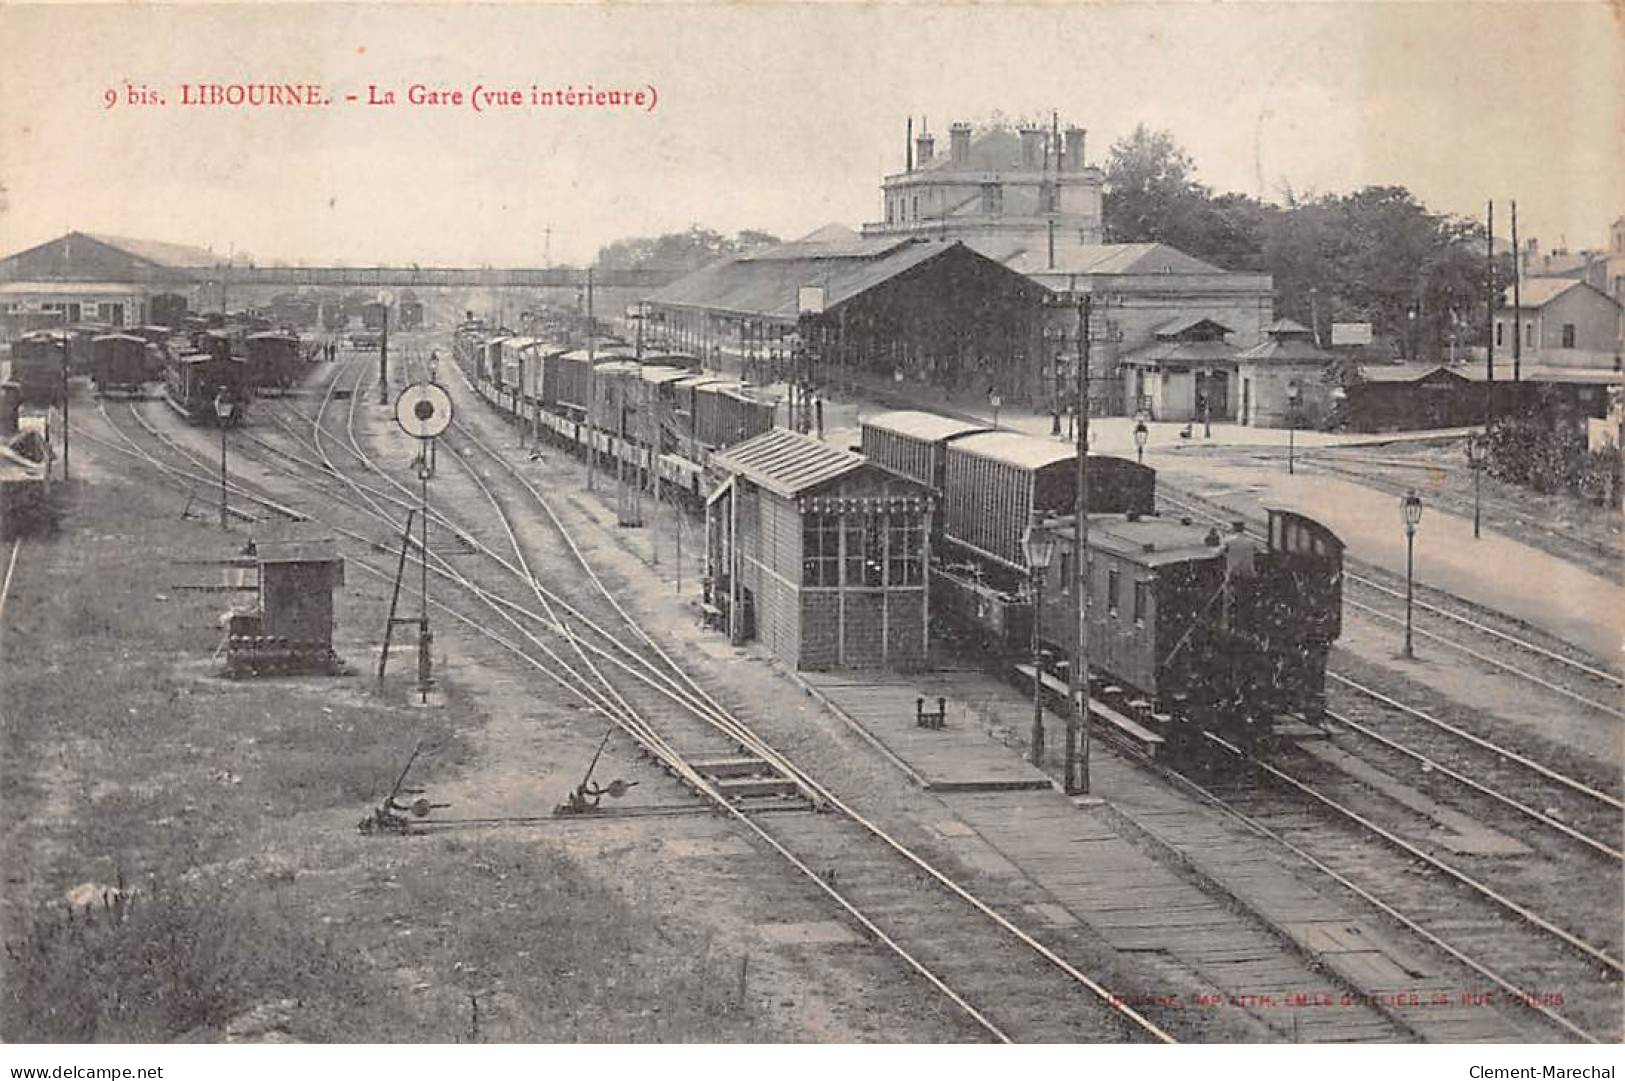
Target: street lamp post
(222, 412)
(1410, 509)
(1141, 432)
(1040, 546)
(1292, 392)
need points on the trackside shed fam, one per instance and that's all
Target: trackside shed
(820, 554)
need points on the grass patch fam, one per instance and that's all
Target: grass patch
(167, 963)
(231, 807)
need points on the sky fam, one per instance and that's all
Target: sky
(770, 116)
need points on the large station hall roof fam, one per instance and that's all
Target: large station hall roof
(767, 284)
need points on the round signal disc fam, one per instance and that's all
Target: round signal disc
(423, 410)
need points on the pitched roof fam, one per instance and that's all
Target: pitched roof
(1175, 327)
(1284, 350)
(1403, 373)
(160, 252)
(1538, 292)
(1182, 352)
(1112, 259)
(1283, 327)
(787, 463)
(768, 283)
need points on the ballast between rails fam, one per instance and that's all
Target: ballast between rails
(330, 470)
(756, 744)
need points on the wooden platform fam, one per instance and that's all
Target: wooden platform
(959, 757)
(1155, 872)
(1336, 933)
(1141, 906)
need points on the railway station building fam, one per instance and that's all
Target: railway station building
(893, 307)
(1027, 198)
(819, 554)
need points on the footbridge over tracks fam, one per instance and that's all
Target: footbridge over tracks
(499, 293)
(418, 277)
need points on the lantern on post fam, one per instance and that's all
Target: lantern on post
(1293, 393)
(223, 410)
(1141, 434)
(1039, 545)
(1410, 510)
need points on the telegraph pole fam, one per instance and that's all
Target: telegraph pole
(1489, 320)
(592, 388)
(383, 357)
(64, 417)
(1076, 781)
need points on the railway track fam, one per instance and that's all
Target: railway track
(1568, 823)
(1524, 973)
(874, 901)
(1525, 977)
(1568, 979)
(877, 880)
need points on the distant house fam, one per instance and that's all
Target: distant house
(1561, 321)
(1186, 373)
(1284, 379)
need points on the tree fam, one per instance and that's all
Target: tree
(1150, 185)
(678, 252)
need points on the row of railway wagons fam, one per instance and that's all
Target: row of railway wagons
(660, 406)
(1191, 629)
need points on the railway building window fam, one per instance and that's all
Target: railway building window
(1142, 599)
(905, 551)
(1529, 334)
(1112, 577)
(853, 528)
(1568, 335)
(1047, 198)
(1500, 333)
(820, 550)
(874, 551)
(992, 199)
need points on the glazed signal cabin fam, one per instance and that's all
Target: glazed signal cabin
(819, 554)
